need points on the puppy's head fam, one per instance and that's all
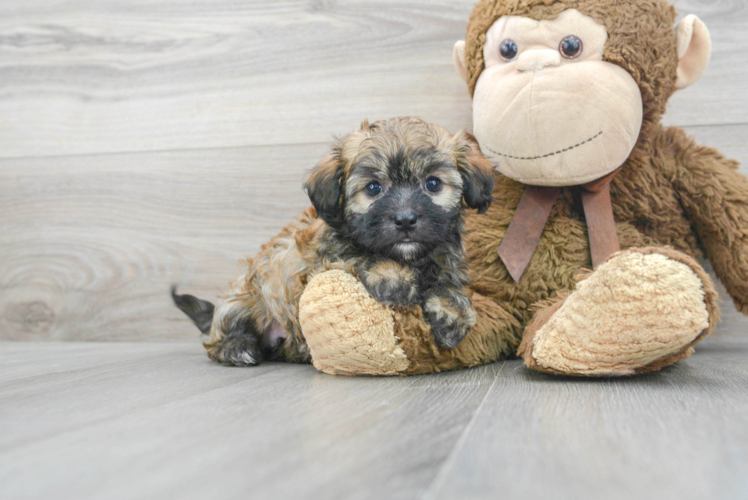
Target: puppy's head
(397, 187)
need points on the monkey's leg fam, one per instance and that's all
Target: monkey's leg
(495, 336)
(640, 311)
(350, 333)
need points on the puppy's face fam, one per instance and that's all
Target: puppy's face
(397, 187)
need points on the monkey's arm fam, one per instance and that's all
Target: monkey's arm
(715, 198)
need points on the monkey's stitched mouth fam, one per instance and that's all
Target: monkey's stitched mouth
(549, 154)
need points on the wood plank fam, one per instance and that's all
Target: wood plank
(95, 391)
(91, 244)
(26, 359)
(121, 76)
(677, 434)
(172, 426)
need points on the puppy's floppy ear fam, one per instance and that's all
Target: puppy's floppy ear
(476, 171)
(325, 186)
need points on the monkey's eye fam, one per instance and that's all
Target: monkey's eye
(508, 49)
(374, 189)
(433, 185)
(570, 47)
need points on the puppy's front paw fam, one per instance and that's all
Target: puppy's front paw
(394, 293)
(450, 319)
(236, 350)
(391, 283)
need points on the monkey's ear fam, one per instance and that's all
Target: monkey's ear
(324, 187)
(694, 50)
(458, 55)
(476, 171)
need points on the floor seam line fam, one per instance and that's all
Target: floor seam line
(439, 479)
(160, 151)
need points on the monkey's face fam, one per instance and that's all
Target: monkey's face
(401, 185)
(547, 109)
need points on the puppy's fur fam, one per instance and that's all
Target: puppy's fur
(388, 205)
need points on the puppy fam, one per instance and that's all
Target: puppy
(387, 206)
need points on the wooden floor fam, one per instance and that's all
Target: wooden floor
(145, 143)
(158, 420)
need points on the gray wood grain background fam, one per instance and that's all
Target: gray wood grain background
(148, 143)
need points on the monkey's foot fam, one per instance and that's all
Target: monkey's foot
(347, 330)
(640, 311)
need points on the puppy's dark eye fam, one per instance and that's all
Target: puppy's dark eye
(570, 47)
(508, 49)
(374, 189)
(433, 185)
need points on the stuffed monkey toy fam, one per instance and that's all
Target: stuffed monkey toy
(587, 262)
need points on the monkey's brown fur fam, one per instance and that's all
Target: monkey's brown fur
(670, 192)
(349, 229)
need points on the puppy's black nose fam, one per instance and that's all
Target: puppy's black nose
(406, 221)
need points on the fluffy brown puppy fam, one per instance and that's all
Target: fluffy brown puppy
(388, 206)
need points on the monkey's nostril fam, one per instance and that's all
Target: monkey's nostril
(406, 221)
(536, 60)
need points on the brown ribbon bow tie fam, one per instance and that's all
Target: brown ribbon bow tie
(532, 213)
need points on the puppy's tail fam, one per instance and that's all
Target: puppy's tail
(198, 310)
